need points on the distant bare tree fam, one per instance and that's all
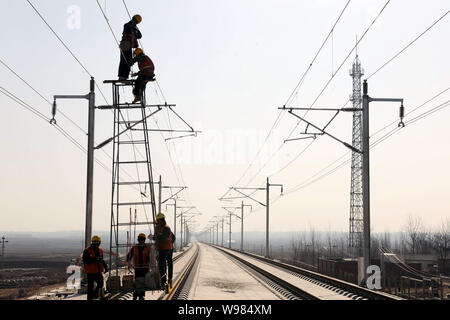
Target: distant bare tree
(295, 248)
(375, 244)
(386, 241)
(313, 242)
(414, 233)
(441, 240)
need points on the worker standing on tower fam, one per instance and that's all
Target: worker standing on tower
(164, 243)
(129, 41)
(146, 73)
(140, 254)
(94, 265)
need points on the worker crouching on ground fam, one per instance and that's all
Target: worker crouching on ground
(164, 239)
(129, 41)
(146, 73)
(94, 265)
(140, 254)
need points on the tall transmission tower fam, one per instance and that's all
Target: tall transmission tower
(356, 191)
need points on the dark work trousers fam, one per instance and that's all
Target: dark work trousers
(94, 277)
(140, 84)
(163, 257)
(139, 292)
(126, 58)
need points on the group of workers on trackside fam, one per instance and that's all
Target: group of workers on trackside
(139, 255)
(130, 36)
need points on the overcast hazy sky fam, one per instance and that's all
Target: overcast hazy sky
(228, 65)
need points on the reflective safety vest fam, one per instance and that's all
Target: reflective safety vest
(130, 40)
(147, 67)
(138, 263)
(97, 266)
(164, 245)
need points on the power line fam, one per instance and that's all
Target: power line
(317, 54)
(61, 130)
(309, 182)
(170, 156)
(306, 183)
(348, 55)
(39, 94)
(65, 45)
(289, 99)
(380, 67)
(402, 50)
(170, 127)
(64, 115)
(26, 106)
(408, 45)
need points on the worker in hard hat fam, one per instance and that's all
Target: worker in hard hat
(164, 239)
(94, 265)
(146, 73)
(140, 255)
(130, 35)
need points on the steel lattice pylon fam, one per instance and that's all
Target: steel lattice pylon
(356, 193)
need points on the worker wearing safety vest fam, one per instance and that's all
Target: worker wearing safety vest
(140, 255)
(129, 41)
(146, 73)
(164, 239)
(94, 265)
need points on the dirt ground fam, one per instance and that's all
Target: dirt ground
(50, 279)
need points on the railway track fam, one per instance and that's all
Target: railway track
(183, 282)
(128, 295)
(336, 287)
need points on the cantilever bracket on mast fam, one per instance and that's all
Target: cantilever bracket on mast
(323, 130)
(104, 143)
(248, 196)
(173, 195)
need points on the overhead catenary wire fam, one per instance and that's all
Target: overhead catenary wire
(316, 55)
(337, 70)
(60, 129)
(170, 127)
(140, 43)
(281, 113)
(408, 45)
(307, 182)
(318, 176)
(131, 134)
(420, 106)
(74, 56)
(65, 45)
(170, 155)
(301, 81)
(395, 129)
(39, 94)
(64, 115)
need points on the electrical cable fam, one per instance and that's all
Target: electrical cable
(408, 45)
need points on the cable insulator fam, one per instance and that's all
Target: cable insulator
(53, 120)
(402, 114)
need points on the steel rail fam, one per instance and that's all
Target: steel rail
(291, 289)
(118, 295)
(337, 283)
(181, 279)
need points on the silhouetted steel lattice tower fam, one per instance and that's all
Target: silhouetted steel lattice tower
(356, 191)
